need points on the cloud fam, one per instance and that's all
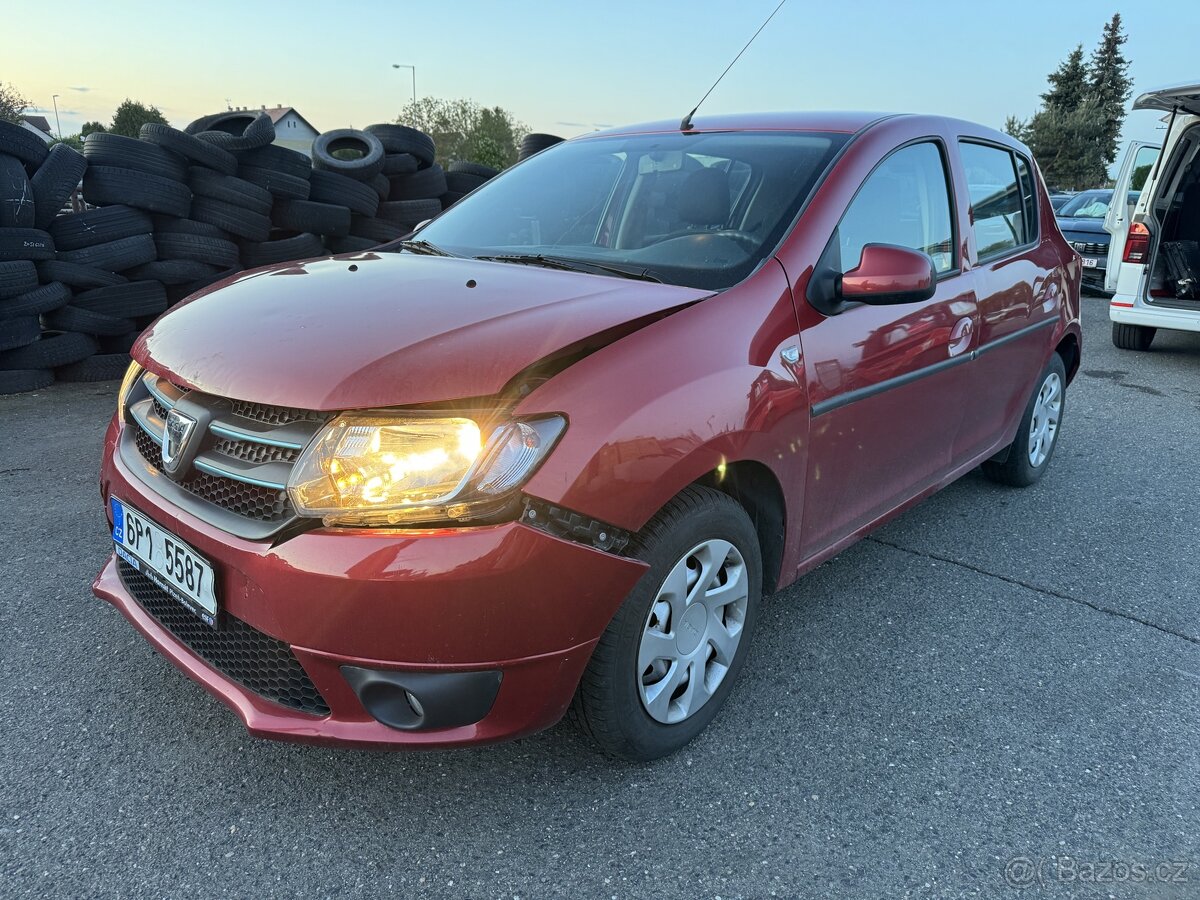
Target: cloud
(62, 111)
(82, 90)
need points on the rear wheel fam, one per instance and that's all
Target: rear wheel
(1132, 337)
(671, 654)
(1030, 453)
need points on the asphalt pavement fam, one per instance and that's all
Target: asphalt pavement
(996, 695)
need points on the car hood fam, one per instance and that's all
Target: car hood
(387, 329)
(1082, 226)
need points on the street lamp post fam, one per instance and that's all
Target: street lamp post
(57, 124)
(414, 79)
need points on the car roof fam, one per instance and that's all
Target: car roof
(828, 121)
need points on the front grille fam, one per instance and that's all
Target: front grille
(242, 653)
(273, 415)
(1091, 248)
(248, 500)
(255, 453)
(148, 447)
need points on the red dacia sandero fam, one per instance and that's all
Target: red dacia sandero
(551, 451)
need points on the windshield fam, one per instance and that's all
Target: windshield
(701, 210)
(1086, 206)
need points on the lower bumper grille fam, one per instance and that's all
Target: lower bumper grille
(254, 660)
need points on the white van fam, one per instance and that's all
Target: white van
(1151, 254)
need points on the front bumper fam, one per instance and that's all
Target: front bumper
(506, 598)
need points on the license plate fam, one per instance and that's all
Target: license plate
(1090, 262)
(166, 560)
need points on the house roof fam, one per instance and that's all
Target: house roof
(38, 122)
(278, 112)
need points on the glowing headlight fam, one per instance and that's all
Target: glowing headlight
(132, 374)
(384, 469)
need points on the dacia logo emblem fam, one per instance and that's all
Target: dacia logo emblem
(175, 439)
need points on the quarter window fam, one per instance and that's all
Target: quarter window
(905, 201)
(1002, 214)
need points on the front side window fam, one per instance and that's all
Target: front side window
(1000, 219)
(702, 210)
(904, 201)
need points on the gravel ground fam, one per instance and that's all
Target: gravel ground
(997, 675)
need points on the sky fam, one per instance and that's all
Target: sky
(570, 67)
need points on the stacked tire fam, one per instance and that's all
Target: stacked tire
(535, 143)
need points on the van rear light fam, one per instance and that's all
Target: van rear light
(1137, 244)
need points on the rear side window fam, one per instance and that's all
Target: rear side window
(905, 201)
(1003, 216)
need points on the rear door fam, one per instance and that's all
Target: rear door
(1136, 165)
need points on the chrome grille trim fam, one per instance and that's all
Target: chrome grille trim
(234, 450)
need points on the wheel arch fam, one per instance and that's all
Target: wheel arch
(1068, 348)
(755, 487)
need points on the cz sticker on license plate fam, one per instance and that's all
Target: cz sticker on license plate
(166, 560)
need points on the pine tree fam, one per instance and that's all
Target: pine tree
(1109, 85)
(1068, 83)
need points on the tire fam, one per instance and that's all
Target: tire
(279, 184)
(402, 139)
(286, 249)
(427, 184)
(21, 381)
(470, 168)
(114, 256)
(449, 198)
(350, 244)
(379, 230)
(117, 151)
(109, 186)
(120, 343)
(409, 212)
(40, 300)
(173, 225)
(312, 217)
(243, 130)
(49, 352)
(18, 332)
(363, 167)
(72, 318)
(229, 189)
(382, 186)
(533, 144)
(244, 223)
(189, 147)
(1018, 468)
(609, 706)
(54, 182)
(173, 271)
(23, 144)
(16, 278)
(212, 251)
(25, 243)
(399, 164)
(277, 159)
(75, 275)
(1132, 337)
(124, 301)
(98, 226)
(100, 367)
(16, 194)
(463, 182)
(331, 187)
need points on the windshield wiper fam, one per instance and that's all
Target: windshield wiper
(424, 247)
(573, 265)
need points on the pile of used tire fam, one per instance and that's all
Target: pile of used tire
(174, 211)
(535, 143)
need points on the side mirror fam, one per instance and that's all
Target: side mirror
(887, 274)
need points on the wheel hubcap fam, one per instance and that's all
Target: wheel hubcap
(693, 631)
(1044, 425)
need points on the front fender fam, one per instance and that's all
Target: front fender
(663, 407)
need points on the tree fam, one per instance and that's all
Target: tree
(132, 115)
(12, 103)
(1015, 127)
(1068, 83)
(1067, 146)
(74, 141)
(462, 130)
(89, 127)
(1110, 85)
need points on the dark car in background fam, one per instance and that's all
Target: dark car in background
(1081, 220)
(1058, 198)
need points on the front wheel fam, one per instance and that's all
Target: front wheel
(670, 655)
(1030, 453)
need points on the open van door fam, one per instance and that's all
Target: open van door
(1136, 162)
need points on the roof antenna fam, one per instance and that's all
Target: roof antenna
(686, 124)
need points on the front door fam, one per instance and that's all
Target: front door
(888, 384)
